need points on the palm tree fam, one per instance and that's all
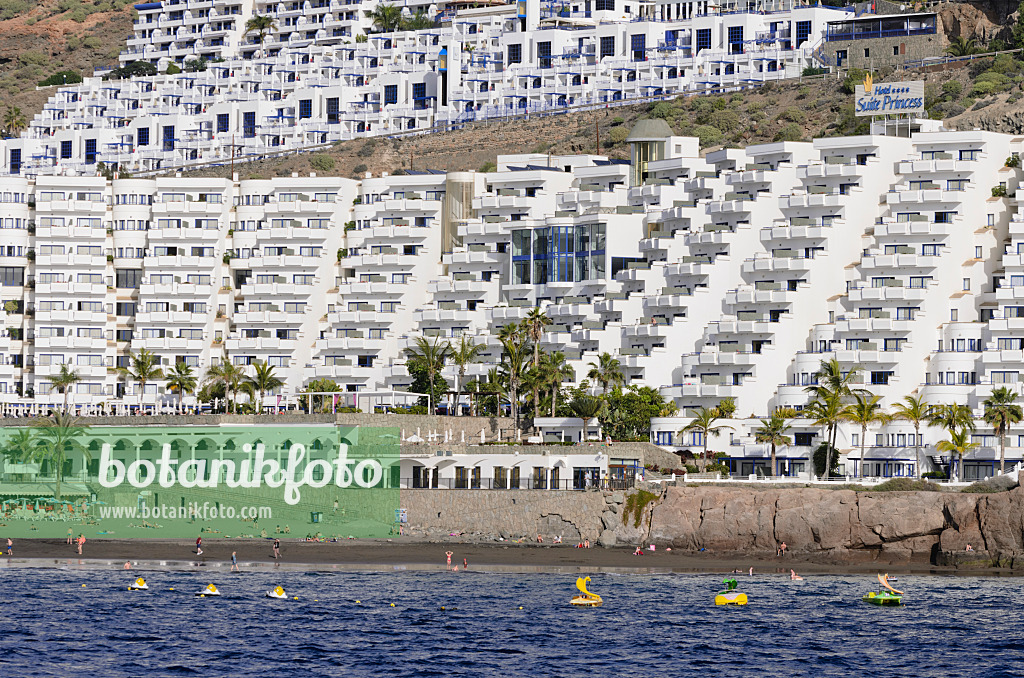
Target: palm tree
(705, 421)
(144, 369)
(956, 419)
(773, 432)
(830, 393)
(555, 371)
(959, 442)
(826, 413)
(14, 121)
(915, 410)
(230, 376)
(534, 324)
(181, 380)
(431, 357)
(264, 380)
(1001, 412)
(865, 410)
(64, 380)
(57, 434)
(462, 354)
(606, 371)
(961, 47)
(260, 25)
(514, 367)
(418, 22)
(586, 407)
(320, 403)
(387, 18)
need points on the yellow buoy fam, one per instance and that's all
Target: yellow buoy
(392, 604)
(295, 598)
(358, 601)
(83, 586)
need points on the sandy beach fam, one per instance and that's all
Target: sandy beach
(384, 554)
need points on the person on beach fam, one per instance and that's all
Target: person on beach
(10, 547)
(71, 536)
(81, 542)
(234, 563)
(586, 543)
(751, 572)
(277, 549)
(335, 506)
(638, 552)
(199, 546)
(449, 554)
(782, 549)
(794, 576)
(465, 564)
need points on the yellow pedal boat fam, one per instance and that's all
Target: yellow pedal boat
(585, 598)
(730, 596)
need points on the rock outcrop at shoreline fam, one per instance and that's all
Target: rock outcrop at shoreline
(844, 524)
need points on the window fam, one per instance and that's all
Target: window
(881, 378)
(168, 137)
(956, 184)
(90, 151)
(803, 32)
(390, 94)
(638, 45)
(249, 124)
(305, 109)
(604, 5)
(735, 39)
(128, 278)
(515, 54)
(15, 162)
(544, 54)
(11, 276)
(867, 53)
(65, 149)
(608, 46)
(223, 122)
(332, 110)
(303, 279)
(944, 217)
(967, 284)
(703, 39)
(125, 308)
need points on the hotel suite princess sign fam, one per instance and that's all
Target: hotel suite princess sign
(889, 98)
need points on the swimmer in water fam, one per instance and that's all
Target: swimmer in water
(794, 576)
(234, 562)
(127, 564)
(449, 554)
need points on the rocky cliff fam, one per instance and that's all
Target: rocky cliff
(821, 524)
(842, 523)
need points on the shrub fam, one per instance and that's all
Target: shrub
(617, 120)
(662, 110)
(61, 78)
(982, 487)
(708, 135)
(172, 69)
(1012, 161)
(92, 42)
(793, 114)
(617, 135)
(811, 71)
(906, 485)
(999, 191)
(726, 121)
(321, 162)
(635, 504)
(791, 132)
(367, 149)
(12, 8)
(937, 475)
(952, 89)
(488, 166)
(359, 169)
(803, 92)
(854, 77)
(718, 103)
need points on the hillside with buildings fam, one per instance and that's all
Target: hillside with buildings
(656, 196)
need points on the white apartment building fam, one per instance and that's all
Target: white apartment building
(313, 83)
(732, 274)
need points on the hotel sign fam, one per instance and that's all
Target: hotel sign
(889, 98)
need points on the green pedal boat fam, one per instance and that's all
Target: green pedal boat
(886, 594)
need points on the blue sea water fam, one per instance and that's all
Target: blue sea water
(650, 625)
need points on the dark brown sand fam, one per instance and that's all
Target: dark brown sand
(419, 554)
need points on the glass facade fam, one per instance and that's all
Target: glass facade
(558, 254)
